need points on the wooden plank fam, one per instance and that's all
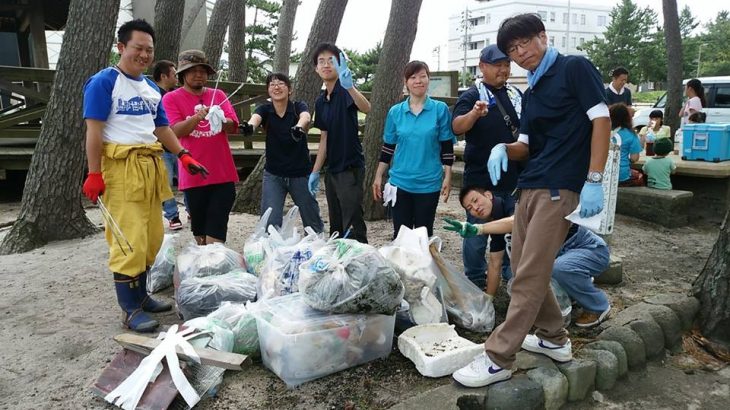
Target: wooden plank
(26, 114)
(41, 75)
(144, 345)
(23, 132)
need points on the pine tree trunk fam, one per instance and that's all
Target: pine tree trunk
(168, 22)
(248, 198)
(51, 208)
(325, 28)
(673, 39)
(387, 90)
(284, 35)
(192, 14)
(216, 33)
(712, 288)
(237, 42)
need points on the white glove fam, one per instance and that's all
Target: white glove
(390, 193)
(215, 118)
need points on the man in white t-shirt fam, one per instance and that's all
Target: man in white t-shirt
(124, 121)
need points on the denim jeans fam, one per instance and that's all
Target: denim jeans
(583, 256)
(170, 206)
(474, 252)
(274, 192)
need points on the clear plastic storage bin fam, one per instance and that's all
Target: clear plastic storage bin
(300, 344)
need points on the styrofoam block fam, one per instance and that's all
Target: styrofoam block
(436, 349)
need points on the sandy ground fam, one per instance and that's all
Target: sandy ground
(58, 315)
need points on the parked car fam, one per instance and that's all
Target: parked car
(717, 94)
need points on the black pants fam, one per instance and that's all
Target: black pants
(209, 207)
(414, 210)
(344, 203)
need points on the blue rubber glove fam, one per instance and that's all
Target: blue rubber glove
(342, 70)
(313, 183)
(591, 199)
(497, 163)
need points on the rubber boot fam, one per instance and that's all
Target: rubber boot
(128, 296)
(149, 304)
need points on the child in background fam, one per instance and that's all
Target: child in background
(659, 167)
(697, 118)
(654, 131)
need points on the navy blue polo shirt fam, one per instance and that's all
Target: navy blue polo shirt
(500, 209)
(554, 117)
(338, 116)
(613, 98)
(487, 132)
(284, 156)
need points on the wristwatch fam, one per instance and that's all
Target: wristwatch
(182, 152)
(595, 177)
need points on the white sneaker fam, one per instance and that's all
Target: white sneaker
(558, 353)
(481, 372)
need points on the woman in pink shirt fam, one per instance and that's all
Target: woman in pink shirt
(201, 119)
(695, 93)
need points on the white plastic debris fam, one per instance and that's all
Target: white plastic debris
(436, 349)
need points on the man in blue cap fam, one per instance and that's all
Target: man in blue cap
(488, 114)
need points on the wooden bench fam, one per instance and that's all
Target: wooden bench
(669, 208)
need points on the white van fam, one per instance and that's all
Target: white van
(717, 94)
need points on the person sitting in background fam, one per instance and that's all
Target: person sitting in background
(630, 145)
(697, 118)
(659, 167)
(654, 131)
(583, 256)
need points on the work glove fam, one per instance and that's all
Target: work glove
(93, 186)
(313, 183)
(246, 129)
(465, 229)
(497, 163)
(297, 133)
(591, 199)
(344, 73)
(215, 118)
(191, 165)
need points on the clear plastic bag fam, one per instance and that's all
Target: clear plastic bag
(254, 250)
(346, 276)
(233, 326)
(280, 276)
(466, 304)
(163, 269)
(198, 261)
(200, 296)
(411, 259)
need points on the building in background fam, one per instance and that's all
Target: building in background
(568, 25)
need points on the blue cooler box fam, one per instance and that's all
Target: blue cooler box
(706, 142)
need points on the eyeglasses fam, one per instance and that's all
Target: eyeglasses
(279, 84)
(520, 43)
(324, 61)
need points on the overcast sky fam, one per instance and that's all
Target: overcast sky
(365, 21)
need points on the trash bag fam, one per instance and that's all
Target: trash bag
(233, 326)
(199, 261)
(466, 304)
(163, 269)
(564, 301)
(346, 276)
(254, 250)
(411, 259)
(200, 296)
(280, 275)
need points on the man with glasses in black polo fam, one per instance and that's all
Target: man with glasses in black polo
(287, 155)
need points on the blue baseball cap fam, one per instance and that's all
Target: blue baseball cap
(491, 54)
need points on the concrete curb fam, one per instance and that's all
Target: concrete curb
(640, 332)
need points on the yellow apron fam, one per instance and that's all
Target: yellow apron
(136, 184)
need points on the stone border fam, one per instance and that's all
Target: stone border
(631, 337)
